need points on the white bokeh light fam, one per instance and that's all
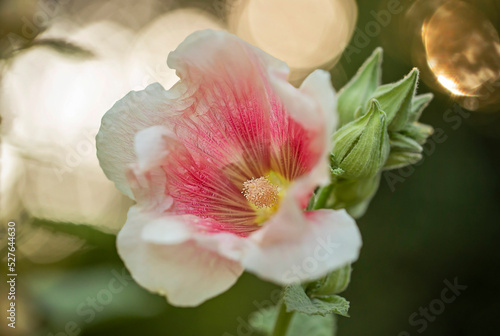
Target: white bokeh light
(304, 34)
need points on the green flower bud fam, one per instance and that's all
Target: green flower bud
(379, 130)
(361, 147)
(398, 160)
(353, 195)
(360, 88)
(404, 151)
(402, 143)
(396, 100)
(419, 132)
(331, 284)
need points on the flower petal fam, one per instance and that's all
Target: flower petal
(162, 258)
(318, 86)
(169, 231)
(236, 54)
(312, 103)
(146, 178)
(152, 146)
(134, 112)
(321, 241)
(230, 121)
(236, 128)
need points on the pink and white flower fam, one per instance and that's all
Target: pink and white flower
(222, 166)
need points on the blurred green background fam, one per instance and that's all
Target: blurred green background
(435, 221)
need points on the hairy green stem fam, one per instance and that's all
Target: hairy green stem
(282, 321)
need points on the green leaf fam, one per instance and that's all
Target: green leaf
(396, 100)
(296, 299)
(301, 324)
(360, 88)
(262, 321)
(91, 234)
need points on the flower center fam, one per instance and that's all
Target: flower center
(261, 192)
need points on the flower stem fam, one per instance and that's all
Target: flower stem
(282, 321)
(321, 197)
(284, 318)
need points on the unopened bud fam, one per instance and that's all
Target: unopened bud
(360, 88)
(402, 143)
(396, 100)
(419, 132)
(331, 284)
(398, 160)
(418, 105)
(353, 195)
(361, 147)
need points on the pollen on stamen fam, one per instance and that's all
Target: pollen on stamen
(260, 192)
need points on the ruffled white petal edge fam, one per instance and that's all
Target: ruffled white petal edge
(162, 257)
(292, 247)
(115, 139)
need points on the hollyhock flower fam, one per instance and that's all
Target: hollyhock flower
(222, 166)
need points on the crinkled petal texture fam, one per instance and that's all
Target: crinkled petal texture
(184, 155)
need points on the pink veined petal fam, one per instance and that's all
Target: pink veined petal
(329, 239)
(163, 258)
(317, 86)
(236, 129)
(230, 122)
